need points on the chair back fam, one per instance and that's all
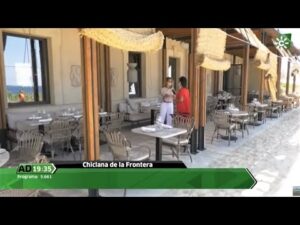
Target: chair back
(185, 122)
(221, 118)
(59, 131)
(118, 145)
(30, 144)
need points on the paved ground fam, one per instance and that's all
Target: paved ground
(271, 152)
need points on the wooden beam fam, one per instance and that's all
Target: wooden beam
(261, 87)
(190, 75)
(294, 83)
(196, 80)
(278, 77)
(216, 78)
(2, 98)
(288, 78)
(194, 90)
(98, 50)
(90, 100)
(164, 62)
(107, 78)
(245, 75)
(201, 72)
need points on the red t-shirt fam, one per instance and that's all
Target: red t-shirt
(183, 107)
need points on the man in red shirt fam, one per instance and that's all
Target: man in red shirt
(183, 100)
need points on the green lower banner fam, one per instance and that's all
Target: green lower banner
(87, 178)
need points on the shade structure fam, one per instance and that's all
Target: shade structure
(261, 58)
(134, 39)
(272, 76)
(210, 49)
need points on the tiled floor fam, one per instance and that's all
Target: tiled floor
(270, 152)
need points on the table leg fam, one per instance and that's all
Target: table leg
(152, 116)
(158, 156)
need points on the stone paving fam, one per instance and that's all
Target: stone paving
(270, 152)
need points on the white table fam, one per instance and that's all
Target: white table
(238, 113)
(4, 156)
(159, 134)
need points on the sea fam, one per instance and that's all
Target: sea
(16, 89)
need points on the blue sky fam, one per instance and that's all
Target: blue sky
(17, 53)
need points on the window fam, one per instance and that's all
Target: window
(26, 69)
(135, 89)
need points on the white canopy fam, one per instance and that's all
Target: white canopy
(131, 39)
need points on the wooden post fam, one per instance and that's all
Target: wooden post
(107, 78)
(194, 82)
(164, 62)
(191, 76)
(216, 82)
(3, 138)
(245, 75)
(201, 73)
(90, 100)
(278, 77)
(262, 84)
(294, 83)
(288, 78)
(2, 103)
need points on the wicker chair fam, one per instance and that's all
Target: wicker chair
(29, 145)
(78, 134)
(122, 150)
(222, 122)
(59, 132)
(253, 115)
(211, 106)
(176, 143)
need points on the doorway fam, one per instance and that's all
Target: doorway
(173, 70)
(232, 80)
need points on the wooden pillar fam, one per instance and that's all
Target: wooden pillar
(3, 138)
(191, 75)
(164, 63)
(90, 99)
(288, 78)
(107, 78)
(278, 77)
(294, 83)
(201, 72)
(98, 50)
(2, 103)
(216, 82)
(261, 87)
(194, 83)
(245, 76)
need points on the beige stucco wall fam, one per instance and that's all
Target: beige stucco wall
(151, 80)
(63, 52)
(179, 50)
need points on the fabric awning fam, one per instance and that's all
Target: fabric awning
(131, 39)
(262, 53)
(210, 49)
(265, 60)
(272, 76)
